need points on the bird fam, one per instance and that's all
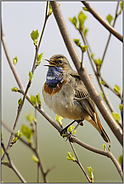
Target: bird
(66, 95)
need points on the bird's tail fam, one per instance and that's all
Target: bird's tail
(100, 129)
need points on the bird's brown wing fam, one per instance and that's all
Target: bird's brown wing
(82, 95)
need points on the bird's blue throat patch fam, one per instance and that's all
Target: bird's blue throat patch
(54, 76)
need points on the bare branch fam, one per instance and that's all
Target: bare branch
(102, 21)
(79, 163)
(83, 73)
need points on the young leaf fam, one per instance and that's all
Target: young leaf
(71, 128)
(38, 99)
(15, 89)
(91, 173)
(59, 119)
(102, 82)
(117, 89)
(84, 48)
(15, 60)
(98, 62)
(121, 107)
(116, 116)
(50, 9)
(102, 95)
(121, 5)
(33, 99)
(81, 17)
(85, 30)
(39, 58)
(120, 160)
(104, 147)
(30, 116)
(77, 41)
(34, 35)
(27, 132)
(85, 9)
(74, 21)
(35, 159)
(71, 157)
(19, 101)
(30, 76)
(109, 18)
(1, 152)
(92, 55)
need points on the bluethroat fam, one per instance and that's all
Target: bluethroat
(65, 93)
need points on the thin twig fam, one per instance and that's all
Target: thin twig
(102, 21)
(106, 47)
(28, 85)
(101, 152)
(31, 147)
(79, 163)
(12, 166)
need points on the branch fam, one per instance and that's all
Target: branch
(12, 166)
(79, 163)
(106, 47)
(44, 173)
(101, 152)
(83, 73)
(102, 21)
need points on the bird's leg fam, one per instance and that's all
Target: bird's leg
(64, 130)
(79, 122)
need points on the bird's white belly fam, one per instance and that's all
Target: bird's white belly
(63, 103)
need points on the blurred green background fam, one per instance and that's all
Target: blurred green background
(19, 19)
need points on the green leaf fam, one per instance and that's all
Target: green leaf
(104, 147)
(85, 30)
(98, 62)
(39, 58)
(116, 116)
(120, 160)
(81, 17)
(59, 119)
(30, 116)
(74, 21)
(33, 99)
(71, 157)
(19, 101)
(35, 159)
(50, 9)
(15, 89)
(77, 41)
(109, 18)
(1, 152)
(102, 82)
(34, 35)
(38, 99)
(92, 55)
(70, 129)
(84, 48)
(85, 9)
(102, 95)
(121, 107)
(15, 60)
(121, 5)
(117, 89)
(91, 173)
(27, 132)
(30, 76)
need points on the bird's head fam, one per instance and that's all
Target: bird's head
(59, 60)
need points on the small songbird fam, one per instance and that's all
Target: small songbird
(65, 93)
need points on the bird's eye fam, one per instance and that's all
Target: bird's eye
(60, 61)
